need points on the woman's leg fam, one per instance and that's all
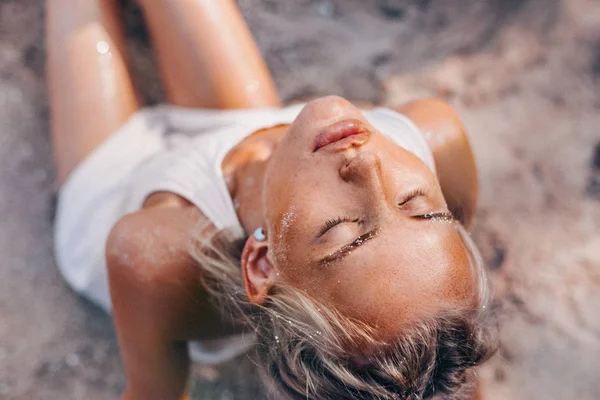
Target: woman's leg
(207, 56)
(91, 93)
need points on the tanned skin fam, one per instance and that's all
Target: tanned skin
(158, 301)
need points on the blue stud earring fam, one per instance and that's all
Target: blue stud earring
(259, 234)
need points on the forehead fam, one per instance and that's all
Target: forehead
(398, 278)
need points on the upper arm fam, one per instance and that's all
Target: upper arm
(454, 160)
(153, 285)
(147, 245)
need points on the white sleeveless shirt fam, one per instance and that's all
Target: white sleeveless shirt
(177, 150)
(194, 146)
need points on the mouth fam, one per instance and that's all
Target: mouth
(348, 130)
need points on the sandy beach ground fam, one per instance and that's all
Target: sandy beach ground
(524, 75)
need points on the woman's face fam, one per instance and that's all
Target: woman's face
(361, 224)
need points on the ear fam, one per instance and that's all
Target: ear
(259, 273)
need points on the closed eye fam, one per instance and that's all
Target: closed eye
(330, 224)
(434, 216)
(411, 196)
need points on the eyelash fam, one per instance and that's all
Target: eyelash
(334, 222)
(329, 224)
(414, 194)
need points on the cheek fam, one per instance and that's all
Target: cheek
(285, 182)
(294, 201)
(289, 232)
(282, 233)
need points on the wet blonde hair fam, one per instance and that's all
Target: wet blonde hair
(308, 350)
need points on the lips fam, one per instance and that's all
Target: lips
(339, 131)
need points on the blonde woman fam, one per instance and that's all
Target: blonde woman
(327, 241)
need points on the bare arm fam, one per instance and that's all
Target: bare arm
(452, 152)
(158, 301)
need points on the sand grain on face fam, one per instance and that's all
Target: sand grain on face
(282, 245)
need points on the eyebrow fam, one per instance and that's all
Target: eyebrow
(348, 248)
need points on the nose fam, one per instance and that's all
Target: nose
(363, 169)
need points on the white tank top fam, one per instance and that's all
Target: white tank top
(196, 142)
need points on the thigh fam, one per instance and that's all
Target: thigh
(91, 93)
(207, 56)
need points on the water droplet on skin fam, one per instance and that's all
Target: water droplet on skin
(252, 87)
(102, 47)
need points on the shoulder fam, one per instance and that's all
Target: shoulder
(148, 243)
(436, 116)
(452, 152)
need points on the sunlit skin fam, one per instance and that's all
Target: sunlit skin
(407, 267)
